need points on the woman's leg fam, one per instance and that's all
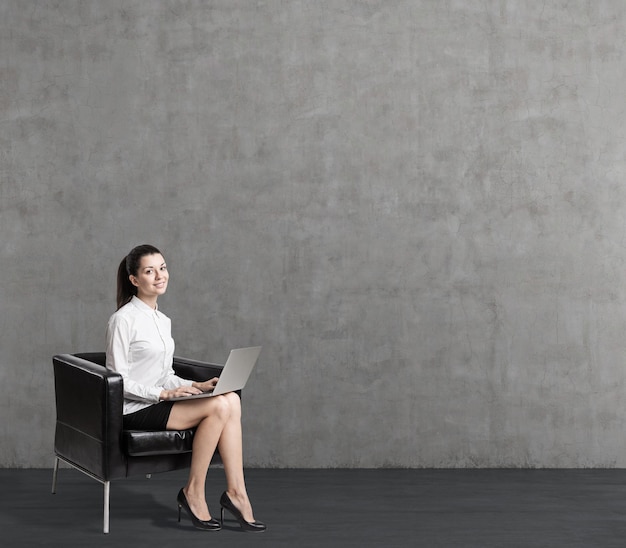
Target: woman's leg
(230, 447)
(210, 416)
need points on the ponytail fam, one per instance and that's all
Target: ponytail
(129, 267)
(125, 289)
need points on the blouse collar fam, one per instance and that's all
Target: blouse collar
(143, 306)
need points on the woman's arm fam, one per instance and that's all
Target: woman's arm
(118, 340)
(189, 388)
(142, 384)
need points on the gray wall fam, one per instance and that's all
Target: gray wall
(417, 207)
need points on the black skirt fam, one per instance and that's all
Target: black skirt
(154, 417)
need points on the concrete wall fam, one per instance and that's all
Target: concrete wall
(417, 207)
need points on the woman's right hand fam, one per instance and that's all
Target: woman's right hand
(179, 392)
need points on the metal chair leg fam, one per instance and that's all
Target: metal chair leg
(107, 493)
(105, 483)
(54, 475)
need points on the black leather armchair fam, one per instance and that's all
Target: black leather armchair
(89, 433)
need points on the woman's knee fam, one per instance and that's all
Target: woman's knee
(221, 407)
(234, 403)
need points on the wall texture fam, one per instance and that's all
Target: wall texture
(418, 207)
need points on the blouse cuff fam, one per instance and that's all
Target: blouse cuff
(156, 393)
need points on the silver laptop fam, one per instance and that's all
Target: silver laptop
(237, 369)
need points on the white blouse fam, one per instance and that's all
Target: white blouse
(139, 346)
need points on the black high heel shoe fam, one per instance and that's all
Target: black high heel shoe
(211, 525)
(252, 526)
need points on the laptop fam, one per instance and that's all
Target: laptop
(237, 369)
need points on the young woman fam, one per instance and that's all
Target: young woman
(140, 347)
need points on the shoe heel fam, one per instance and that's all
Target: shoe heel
(222, 520)
(179, 508)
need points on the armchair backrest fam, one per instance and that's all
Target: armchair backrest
(89, 403)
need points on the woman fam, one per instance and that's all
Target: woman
(140, 347)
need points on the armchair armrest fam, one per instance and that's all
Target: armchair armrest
(89, 401)
(195, 370)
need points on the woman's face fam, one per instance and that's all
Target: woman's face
(152, 276)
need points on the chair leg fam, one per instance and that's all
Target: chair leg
(54, 475)
(107, 493)
(105, 483)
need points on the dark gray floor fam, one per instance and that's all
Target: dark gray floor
(328, 508)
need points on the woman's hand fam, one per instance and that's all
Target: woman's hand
(180, 391)
(206, 386)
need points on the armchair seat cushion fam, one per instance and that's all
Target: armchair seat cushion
(141, 443)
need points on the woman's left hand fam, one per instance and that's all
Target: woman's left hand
(206, 386)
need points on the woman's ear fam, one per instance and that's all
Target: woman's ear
(133, 280)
